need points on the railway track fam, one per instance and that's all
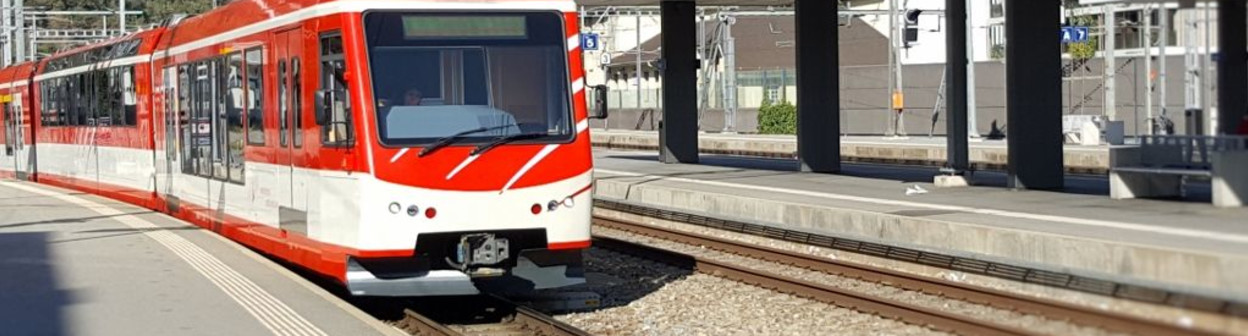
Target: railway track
(934, 318)
(492, 316)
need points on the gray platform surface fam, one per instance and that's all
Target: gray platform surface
(907, 150)
(1187, 244)
(77, 264)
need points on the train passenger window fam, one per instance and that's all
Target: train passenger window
(169, 81)
(8, 130)
(108, 90)
(296, 103)
(282, 98)
(334, 101)
(188, 134)
(255, 97)
(129, 99)
(234, 107)
(220, 120)
(201, 117)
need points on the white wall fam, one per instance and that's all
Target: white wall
(931, 45)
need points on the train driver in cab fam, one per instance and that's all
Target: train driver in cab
(412, 97)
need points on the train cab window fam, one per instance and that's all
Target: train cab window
(334, 102)
(438, 74)
(255, 97)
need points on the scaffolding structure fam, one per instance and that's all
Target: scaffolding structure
(22, 29)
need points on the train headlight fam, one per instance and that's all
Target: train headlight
(413, 210)
(569, 203)
(552, 205)
(395, 208)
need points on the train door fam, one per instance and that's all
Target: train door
(23, 154)
(10, 144)
(293, 212)
(166, 171)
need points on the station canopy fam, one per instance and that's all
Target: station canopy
(699, 2)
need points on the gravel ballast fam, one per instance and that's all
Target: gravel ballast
(1035, 323)
(642, 297)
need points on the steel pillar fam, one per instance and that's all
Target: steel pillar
(818, 87)
(1033, 94)
(1232, 65)
(955, 86)
(678, 133)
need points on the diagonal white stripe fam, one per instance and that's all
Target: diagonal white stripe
(574, 42)
(461, 166)
(529, 165)
(398, 155)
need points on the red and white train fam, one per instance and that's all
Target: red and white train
(404, 148)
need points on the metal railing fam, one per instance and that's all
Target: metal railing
(1187, 151)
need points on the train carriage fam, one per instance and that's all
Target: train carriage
(17, 159)
(400, 147)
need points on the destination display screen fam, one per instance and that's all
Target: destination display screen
(464, 26)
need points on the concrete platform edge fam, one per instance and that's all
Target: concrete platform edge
(904, 231)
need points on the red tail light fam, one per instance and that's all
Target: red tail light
(536, 209)
(430, 212)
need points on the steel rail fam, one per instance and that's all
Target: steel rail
(524, 320)
(885, 307)
(996, 298)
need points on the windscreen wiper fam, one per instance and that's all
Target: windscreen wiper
(505, 139)
(453, 138)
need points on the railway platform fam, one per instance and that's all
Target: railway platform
(915, 149)
(77, 264)
(1186, 247)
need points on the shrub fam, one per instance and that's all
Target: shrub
(777, 118)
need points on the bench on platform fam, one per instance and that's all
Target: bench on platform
(1159, 165)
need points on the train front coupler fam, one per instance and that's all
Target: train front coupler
(476, 253)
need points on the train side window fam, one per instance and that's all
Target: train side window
(283, 108)
(188, 135)
(169, 81)
(201, 116)
(8, 130)
(333, 100)
(255, 97)
(129, 99)
(234, 106)
(296, 101)
(109, 88)
(221, 156)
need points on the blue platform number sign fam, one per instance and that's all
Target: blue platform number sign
(1074, 34)
(589, 41)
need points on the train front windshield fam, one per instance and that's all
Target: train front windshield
(478, 76)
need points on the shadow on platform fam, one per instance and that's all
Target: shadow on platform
(31, 302)
(72, 220)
